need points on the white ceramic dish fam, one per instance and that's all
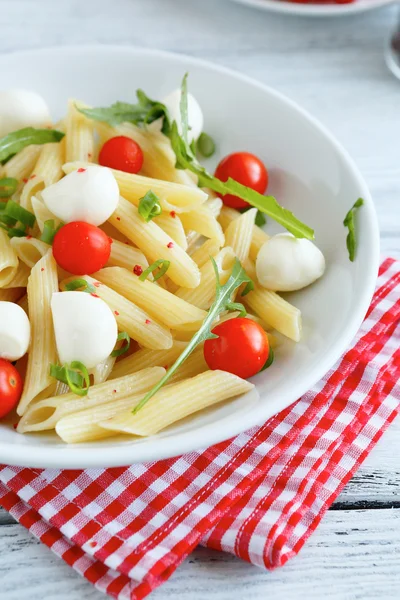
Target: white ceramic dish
(316, 10)
(310, 174)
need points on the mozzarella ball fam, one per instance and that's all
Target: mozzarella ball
(285, 263)
(195, 114)
(15, 331)
(89, 195)
(85, 328)
(22, 108)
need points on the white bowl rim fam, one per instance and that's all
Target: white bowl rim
(70, 457)
(315, 10)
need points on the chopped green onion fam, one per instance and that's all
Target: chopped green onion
(49, 231)
(149, 206)
(233, 306)
(270, 360)
(123, 336)
(59, 373)
(8, 185)
(162, 264)
(19, 213)
(348, 222)
(77, 367)
(15, 232)
(9, 221)
(206, 145)
(76, 284)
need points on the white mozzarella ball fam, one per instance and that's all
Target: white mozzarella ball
(22, 108)
(285, 263)
(85, 328)
(89, 195)
(15, 331)
(195, 114)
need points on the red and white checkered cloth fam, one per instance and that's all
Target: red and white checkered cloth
(259, 495)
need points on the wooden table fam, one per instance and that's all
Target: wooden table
(335, 69)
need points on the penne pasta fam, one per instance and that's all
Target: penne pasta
(130, 318)
(21, 165)
(239, 232)
(50, 162)
(21, 277)
(172, 225)
(205, 251)
(8, 260)
(203, 222)
(42, 213)
(159, 303)
(227, 215)
(123, 255)
(42, 284)
(101, 372)
(144, 358)
(29, 249)
(34, 185)
(79, 136)
(155, 244)
(214, 204)
(204, 295)
(193, 365)
(276, 312)
(177, 401)
(45, 414)
(173, 196)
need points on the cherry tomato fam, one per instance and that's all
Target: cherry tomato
(10, 387)
(81, 248)
(241, 348)
(121, 153)
(245, 168)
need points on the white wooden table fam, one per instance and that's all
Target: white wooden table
(335, 69)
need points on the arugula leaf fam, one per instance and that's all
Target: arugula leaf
(17, 140)
(270, 359)
(351, 241)
(149, 206)
(144, 112)
(222, 302)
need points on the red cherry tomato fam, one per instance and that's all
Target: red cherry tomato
(121, 153)
(81, 248)
(245, 168)
(10, 387)
(241, 348)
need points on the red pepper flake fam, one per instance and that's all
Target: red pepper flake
(114, 391)
(170, 245)
(92, 544)
(28, 237)
(172, 214)
(81, 170)
(137, 269)
(89, 155)
(166, 367)
(42, 269)
(32, 176)
(96, 283)
(118, 218)
(116, 313)
(147, 321)
(25, 180)
(94, 295)
(16, 425)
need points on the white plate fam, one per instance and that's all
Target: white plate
(316, 10)
(310, 174)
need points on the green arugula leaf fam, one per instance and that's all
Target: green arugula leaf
(348, 222)
(17, 140)
(270, 359)
(222, 302)
(149, 206)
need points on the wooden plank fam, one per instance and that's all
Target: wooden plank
(353, 555)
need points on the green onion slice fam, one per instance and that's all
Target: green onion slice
(8, 185)
(126, 342)
(49, 231)
(206, 145)
(76, 284)
(19, 213)
(163, 266)
(149, 206)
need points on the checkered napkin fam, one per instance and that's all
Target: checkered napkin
(259, 495)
